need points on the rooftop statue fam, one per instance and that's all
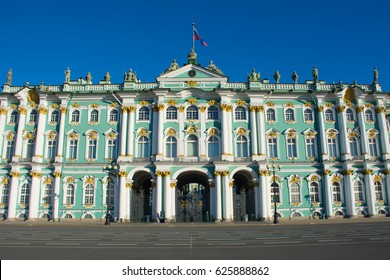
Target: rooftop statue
(277, 76)
(295, 76)
(376, 75)
(214, 68)
(88, 78)
(67, 75)
(9, 77)
(254, 77)
(131, 76)
(314, 73)
(173, 66)
(107, 77)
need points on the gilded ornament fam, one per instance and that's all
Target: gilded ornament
(52, 135)
(42, 110)
(3, 111)
(35, 174)
(225, 172)
(290, 105)
(4, 181)
(336, 179)
(202, 109)
(272, 134)
(63, 110)
(377, 178)
(47, 181)
(241, 131)
(240, 103)
(260, 108)
(314, 178)
(368, 105)
(143, 132)
(328, 105)
(192, 101)
(181, 109)
(131, 109)
(371, 134)
(75, 105)
(122, 174)
(10, 136)
(327, 172)
(307, 104)
(171, 132)
(90, 180)
(172, 102)
(129, 185)
(349, 95)
(270, 104)
(291, 133)
(226, 107)
(359, 109)
(332, 134)
(380, 109)
(252, 108)
(191, 130)
(22, 111)
(353, 134)
(264, 172)
(347, 172)
(57, 174)
(212, 102)
(231, 184)
(387, 171)
(294, 179)
(192, 83)
(124, 109)
(213, 131)
(159, 173)
(340, 109)
(311, 134)
(172, 185)
(144, 103)
(320, 108)
(94, 106)
(160, 107)
(218, 173)
(113, 105)
(367, 171)
(70, 180)
(33, 96)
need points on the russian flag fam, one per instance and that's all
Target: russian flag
(197, 37)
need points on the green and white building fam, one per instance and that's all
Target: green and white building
(193, 146)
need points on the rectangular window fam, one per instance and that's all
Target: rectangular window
(92, 149)
(332, 147)
(311, 147)
(292, 148)
(73, 146)
(9, 152)
(51, 149)
(273, 147)
(111, 148)
(295, 193)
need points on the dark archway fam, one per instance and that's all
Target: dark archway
(244, 206)
(192, 197)
(141, 197)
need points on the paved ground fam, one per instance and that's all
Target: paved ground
(290, 239)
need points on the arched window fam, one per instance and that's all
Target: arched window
(378, 191)
(143, 114)
(329, 117)
(192, 146)
(113, 115)
(171, 113)
(94, 116)
(349, 115)
(290, 115)
(336, 192)
(89, 194)
(308, 115)
(292, 148)
(33, 116)
(369, 116)
(212, 113)
(358, 191)
(192, 113)
(70, 194)
(55, 116)
(353, 144)
(242, 146)
(213, 147)
(275, 193)
(171, 147)
(270, 115)
(295, 192)
(24, 194)
(4, 194)
(240, 113)
(373, 147)
(14, 116)
(47, 194)
(75, 116)
(143, 147)
(314, 192)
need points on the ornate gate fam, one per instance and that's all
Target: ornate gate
(192, 203)
(141, 204)
(243, 203)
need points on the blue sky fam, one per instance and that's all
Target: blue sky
(344, 39)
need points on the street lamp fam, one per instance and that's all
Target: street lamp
(112, 170)
(274, 188)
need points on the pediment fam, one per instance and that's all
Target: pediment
(191, 72)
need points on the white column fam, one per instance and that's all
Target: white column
(229, 135)
(34, 195)
(369, 190)
(264, 199)
(19, 134)
(160, 132)
(122, 149)
(130, 133)
(224, 132)
(254, 139)
(3, 116)
(61, 135)
(128, 193)
(167, 196)
(218, 196)
(13, 195)
(158, 194)
(227, 199)
(323, 144)
(342, 121)
(386, 189)
(155, 132)
(384, 133)
(328, 194)
(363, 135)
(38, 156)
(349, 193)
(256, 188)
(180, 141)
(122, 196)
(172, 188)
(203, 135)
(262, 139)
(116, 198)
(56, 195)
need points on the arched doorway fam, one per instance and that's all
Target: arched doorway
(244, 208)
(141, 197)
(192, 198)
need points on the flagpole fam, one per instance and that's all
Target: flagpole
(193, 36)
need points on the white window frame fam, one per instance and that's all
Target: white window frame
(47, 194)
(314, 194)
(193, 114)
(71, 119)
(296, 195)
(378, 192)
(293, 146)
(241, 115)
(143, 114)
(67, 195)
(25, 194)
(287, 115)
(171, 113)
(314, 144)
(111, 114)
(146, 144)
(33, 116)
(358, 153)
(88, 196)
(276, 145)
(334, 193)
(359, 193)
(244, 146)
(192, 141)
(332, 115)
(268, 120)
(350, 115)
(170, 143)
(54, 117)
(367, 120)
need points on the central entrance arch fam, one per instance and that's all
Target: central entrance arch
(192, 197)
(141, 197)
(243, 197)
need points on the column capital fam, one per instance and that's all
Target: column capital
(359, 109)
(122, 173)
(3, 111)
(42, 110)
(367, 171)
(347, 172)
(15, 174)
(320, 108)
(380, 109)
(264, 172)
(35, 174)
(63, 110)
(340, 109)
(387, 171)
(327, 172)
(57, 174)
(22, 110)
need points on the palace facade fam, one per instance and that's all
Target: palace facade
(193, 147)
